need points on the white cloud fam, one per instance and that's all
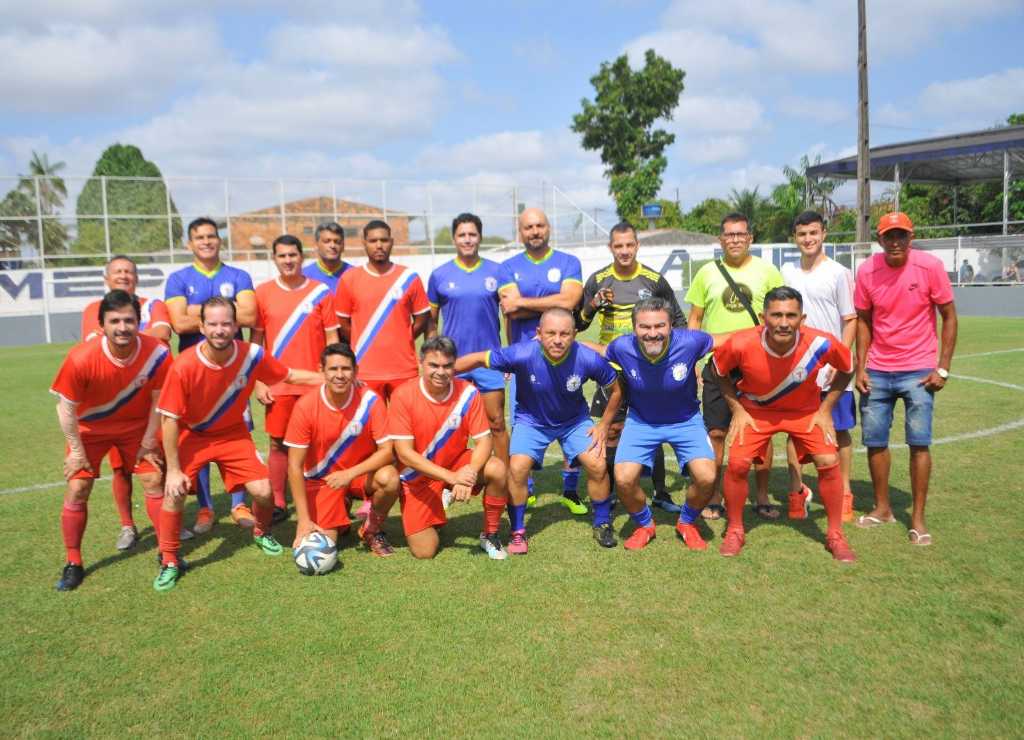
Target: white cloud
(817, 110)
(717, 113)
(705, 56)
(361, 47)
(979, 100)
(714, 149)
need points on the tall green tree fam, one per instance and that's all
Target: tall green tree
(706, 217)
(753, 205)
(620, 124)
(131, 204)
(21, 202)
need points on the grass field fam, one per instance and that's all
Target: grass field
(570, 640)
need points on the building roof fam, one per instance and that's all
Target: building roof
(974, 156)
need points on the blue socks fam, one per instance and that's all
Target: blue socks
(570, 480)
(602, 511)
(205, 500)
(689, 514)
(237, 498)
(517, 516)
(643, 518)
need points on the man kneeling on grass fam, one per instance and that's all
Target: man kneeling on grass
(431, 419)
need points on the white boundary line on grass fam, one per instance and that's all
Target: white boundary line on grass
(987, 354)
(1007, 427)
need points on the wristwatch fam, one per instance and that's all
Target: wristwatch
(942, 373)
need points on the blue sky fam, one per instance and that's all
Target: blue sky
(485, 91)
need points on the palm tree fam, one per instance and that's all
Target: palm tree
(751, 204)
(52, 192)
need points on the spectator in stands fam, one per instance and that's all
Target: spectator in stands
(966, 273)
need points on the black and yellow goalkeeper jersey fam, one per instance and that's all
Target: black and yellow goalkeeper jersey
(617, 317)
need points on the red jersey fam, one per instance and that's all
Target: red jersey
(382, 308)
(786, 382)
(154, 313)
(439, 429)
(113, 398)
(337, 438)
(294, 322)
(213, 398)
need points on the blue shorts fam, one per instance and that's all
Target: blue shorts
(639, 441)
(844, 414)
(532, 441)
(876, 407)
(485, 379)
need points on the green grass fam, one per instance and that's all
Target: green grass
(571, 640)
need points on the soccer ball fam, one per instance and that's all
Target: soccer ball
(316, 554)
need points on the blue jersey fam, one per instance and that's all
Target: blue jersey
(468, 299)
(551, 393)
(194, 285)
(315, 270)
(536, 279)
(662, 390)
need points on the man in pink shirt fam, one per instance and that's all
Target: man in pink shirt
(896, 297)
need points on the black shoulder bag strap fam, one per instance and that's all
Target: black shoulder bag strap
(740, 295)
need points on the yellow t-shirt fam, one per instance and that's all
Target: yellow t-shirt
(723, 311)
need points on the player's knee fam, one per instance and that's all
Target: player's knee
(717, 435)
(261, 492)
(152, 483)
(519, 468)
(703, 475)
(627, 474)
(496, 423)
(593, 464)
(386, 479)
(739, 466)
(79, 490)
(494, 470)
(826, 461)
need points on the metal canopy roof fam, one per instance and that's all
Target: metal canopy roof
(970, 157)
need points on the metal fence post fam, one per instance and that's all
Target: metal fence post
(384, 199)
(227, 219)
(170, 221)
(430, 226)
(956, 260)
(334, 201)
(42, 260)
(1006, 193)
(106, 215)
(284, 218)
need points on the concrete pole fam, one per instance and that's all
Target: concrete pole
(863, 160)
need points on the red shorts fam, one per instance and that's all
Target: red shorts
(421, 500)
(327, 506)
(120, 448)
(278, 414)
(808, 444)
(234, 453)
(384, 388)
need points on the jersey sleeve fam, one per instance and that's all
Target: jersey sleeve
(697, 294)
(704, 343)
(573, 270)
(611, 353)
(844, 297)
(69, 383)
(506, 276)
(261, 310)
(501, 359)
(399, 423)
(327, 314)
(726, 357)
(343, 299)
(379, 421)
(172, 399)
(175, 287)
(601, 370)
(417, 297)
(271, 370)
(433, 294)
(839, 355)
(476, 418)
(664, 291)
(158, 313)
(243, 282)
(300, 427)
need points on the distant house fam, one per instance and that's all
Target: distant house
(256, 230)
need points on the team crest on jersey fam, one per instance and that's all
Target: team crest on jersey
(516, 274)
(451, 285)
(573, 383)
(354, 429)
(396, 291)
(800, 375)
(453, 421)
(533, 378)
(554, 275)
(490, 284)
(634, 373)
(643, 294)
(239, 382)
(227, 290)
(679, 371)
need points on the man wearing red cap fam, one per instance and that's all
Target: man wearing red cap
(897, 295)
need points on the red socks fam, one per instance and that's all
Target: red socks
(492, 513)
(277, 461)
(121, 483)
(264, 518)
(830, 488)
(734, 489)
(169, 534)
(374, 522)
(72, 525)
(153, 506)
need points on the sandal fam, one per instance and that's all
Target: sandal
(921, 539)
(712, 512)
(766, 511)
(867, 521)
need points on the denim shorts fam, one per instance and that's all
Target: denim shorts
(876, 407)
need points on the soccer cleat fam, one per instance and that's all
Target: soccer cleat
(531, 500)
(268, 544)
(799, 503)
(835, 543)
(733, 542)
(71, 577)
(691, 536)
(490, 544)
(446, 498)
(167, 578)
(531, 497)
(377, 543)
(185, 534)
(663, 500)
(243, 517)
(204, 521)
(573, 504)
(182, 563)
(518, 544)
(127, 538)
(847, 507)
(280, 515)
(605, 536)
(639, 539)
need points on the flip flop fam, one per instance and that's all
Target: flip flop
(712, 512)
(866, 521)
(766, 511)
(921, 539)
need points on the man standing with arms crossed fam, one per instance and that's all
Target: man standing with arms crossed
(897, 296)
(295, 320)
(717, 307)
(328, 267)
(611, 293)
(381, 309)
(536, 279)
(827, 290)
(122, 274)
(185, 292)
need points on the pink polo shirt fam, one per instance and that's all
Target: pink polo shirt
(902, 302)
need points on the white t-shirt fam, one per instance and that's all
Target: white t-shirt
(827, 291)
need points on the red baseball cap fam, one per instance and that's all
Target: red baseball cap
(894, 220)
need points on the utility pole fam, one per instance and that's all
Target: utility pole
(863, 159)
